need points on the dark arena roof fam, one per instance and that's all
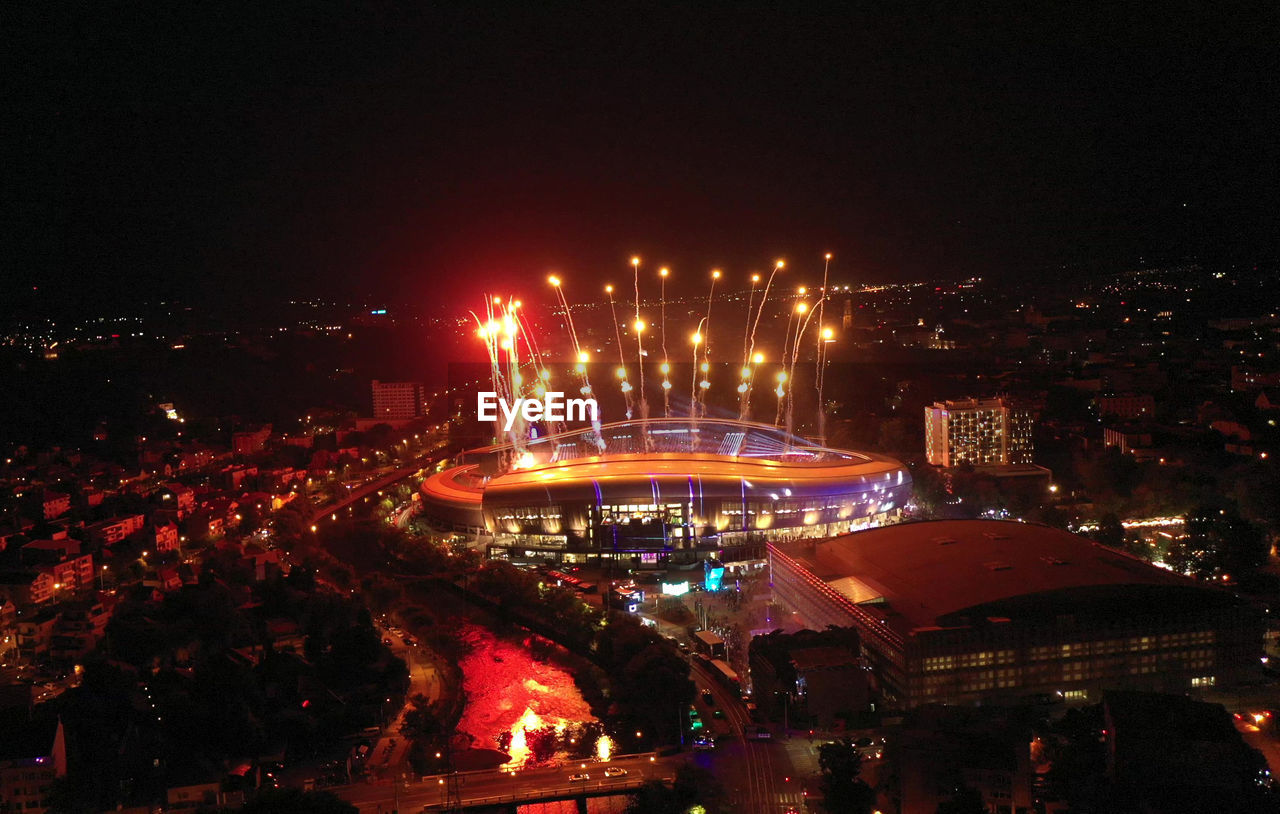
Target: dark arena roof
(951, 573)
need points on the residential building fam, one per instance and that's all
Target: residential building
(250, 441)
(1128, 406)
(27, 586)
(32, 756)
(941, 749)
(397, 399)
(35, 633)
(830, 682)
(979, 432)
(55, 504)
(176, 496)
(1245, 379)
(70, 568)
(166, 537)
(1134, 441)
(113, 530)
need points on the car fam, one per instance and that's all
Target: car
(615, 771)
(704, 743)
(718, 715)
(708, 698)
(580, 778)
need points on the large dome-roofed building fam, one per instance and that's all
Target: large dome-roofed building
(649, 491)
(967, 610)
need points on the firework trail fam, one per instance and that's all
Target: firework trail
(819, 368)
(795, 352)
(500, 330)
(662, 325)
(581, 358)
(746, 405)
(693, 383)
(746, 352)
(639, 327)
(786, 355)
(705, 367)
(746, 328)
(541, 373)
(625, 386)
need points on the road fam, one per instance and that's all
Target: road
(1257, 732)
(391, 750)
(758, 775)
(475, 787)
(328, 512)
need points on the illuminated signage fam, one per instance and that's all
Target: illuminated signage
(675, 588)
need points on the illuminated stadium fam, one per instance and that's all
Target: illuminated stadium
(659, 490)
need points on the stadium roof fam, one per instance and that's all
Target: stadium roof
(699, 465)
(701, 436)
(952, 572)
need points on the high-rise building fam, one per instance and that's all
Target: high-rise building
(397, 399)
(978, 431)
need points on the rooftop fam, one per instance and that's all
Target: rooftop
(950, 572)
(819, 658)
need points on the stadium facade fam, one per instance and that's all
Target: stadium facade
(968, 611)
(661, 490)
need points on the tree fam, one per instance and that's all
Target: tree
(542, 742)
(296, 801)
(929, 491)
(655, 688)
(843, 791)
(1220, 541)
(420, 721)
(1110, 531)
(287, 525)
(696, 786)
(694, 789)
(966, 801)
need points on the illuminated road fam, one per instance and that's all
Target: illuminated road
(477, 787)
(1260, 739)
(754, 773)
(326, 513)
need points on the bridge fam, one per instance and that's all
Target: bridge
(506, 789)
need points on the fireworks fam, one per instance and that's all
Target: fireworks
(625, 386)
(745, 404)
(517, 366)
(639, 327)
(824, 336)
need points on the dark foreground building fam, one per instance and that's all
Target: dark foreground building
(974, 610)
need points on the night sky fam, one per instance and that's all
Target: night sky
(353, 149)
